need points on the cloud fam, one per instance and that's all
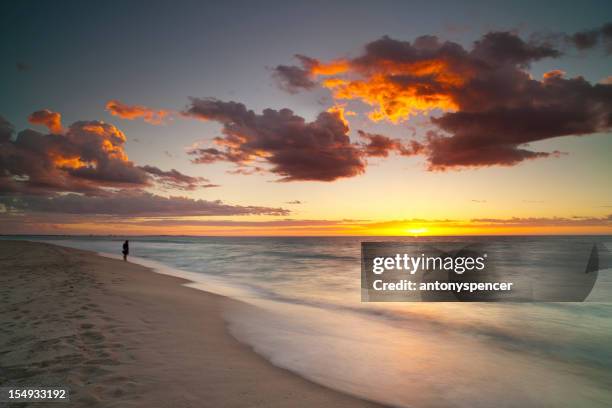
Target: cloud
(606, 81)
(547, 221)
(342, 113)
(295, 149)
(131, 112)
(380, 145)
(587, 39)
(241, 223)
(87, 157)
(453, 152)
(294, 202)
(498, 131)
(130, 203)
(45, 117)
(555, 73)
(245, 171)
(293, 78)
(177, 180)
(488, 107)
(6, 130)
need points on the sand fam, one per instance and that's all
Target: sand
(119, 335)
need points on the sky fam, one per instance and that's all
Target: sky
(306, 118)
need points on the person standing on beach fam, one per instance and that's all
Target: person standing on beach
(126, 249)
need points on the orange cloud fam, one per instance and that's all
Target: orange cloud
(397, 89)
(555, 73)
(396, 101)
(340, 110)
(131, 112)
(330, 68)
(66, 163)
(52, 120)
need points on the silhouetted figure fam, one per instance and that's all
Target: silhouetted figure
(126, 250)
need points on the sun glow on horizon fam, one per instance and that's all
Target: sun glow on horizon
(417, 231)
(309, 228)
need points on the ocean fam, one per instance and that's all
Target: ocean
(308, 318)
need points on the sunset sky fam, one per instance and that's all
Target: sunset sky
(306, 118)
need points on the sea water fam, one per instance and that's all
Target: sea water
(308, 318)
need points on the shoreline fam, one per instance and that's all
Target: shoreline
(122, 334)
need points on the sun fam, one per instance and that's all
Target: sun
(417, 231)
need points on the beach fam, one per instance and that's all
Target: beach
(119, 335)
(278, 322)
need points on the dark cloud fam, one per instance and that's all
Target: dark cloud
(448, 152)
(129, 203)
(380, 145)
(587, 39)
(294, 202)
(87, 157)
(247, 171)
(292, 78)
(6, 130)
(211, 155)
(498, 130)
(492, 107)
(296, 149)
(177, 180)
(508, 49)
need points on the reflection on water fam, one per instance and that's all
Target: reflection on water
(309, 319)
